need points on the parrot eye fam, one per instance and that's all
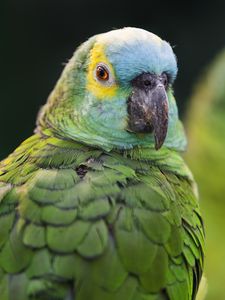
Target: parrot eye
(102, 73)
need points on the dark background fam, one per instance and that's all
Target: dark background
(37, 36)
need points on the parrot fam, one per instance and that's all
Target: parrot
(98, 203)
(206, 131)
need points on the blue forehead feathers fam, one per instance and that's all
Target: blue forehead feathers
(135, 51)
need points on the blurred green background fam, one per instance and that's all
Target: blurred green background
(205, 123)
(37, 37)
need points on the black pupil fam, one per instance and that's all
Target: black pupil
(101, 72)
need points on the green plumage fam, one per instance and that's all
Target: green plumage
(101, 225)
(88, 208)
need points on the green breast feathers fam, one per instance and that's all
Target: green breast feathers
(113, 221)
(107, 225)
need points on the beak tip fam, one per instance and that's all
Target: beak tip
(157, 146)
(158, 142)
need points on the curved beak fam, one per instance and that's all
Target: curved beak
(148, 107)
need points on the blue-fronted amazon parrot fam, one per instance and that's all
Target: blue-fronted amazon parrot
(205, 155)
(98, 203)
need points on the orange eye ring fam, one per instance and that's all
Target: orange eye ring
(102, 73)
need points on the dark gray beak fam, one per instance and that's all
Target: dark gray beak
(148, 107)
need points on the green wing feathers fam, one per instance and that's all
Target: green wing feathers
(79, 221)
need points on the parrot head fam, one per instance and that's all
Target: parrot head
(116, 93)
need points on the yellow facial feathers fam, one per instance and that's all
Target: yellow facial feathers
(100, 90)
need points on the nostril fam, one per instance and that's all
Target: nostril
(147, 82)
